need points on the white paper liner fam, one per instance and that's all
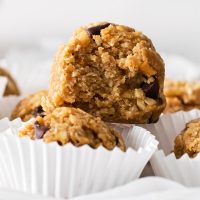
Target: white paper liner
(30, 78)
(67, 171)
(30, 72)
(7, 104)
(180, 68)
(6, 194)
(169, 126)
(3, 83)
(184, 170)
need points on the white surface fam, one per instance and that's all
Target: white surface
(68, 171)
(173, 25)
(151, 188)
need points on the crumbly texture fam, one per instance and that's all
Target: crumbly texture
(181, 95)
(188, 141)
(110, 71)
(11, 87)
(71, 125)
(29, 107)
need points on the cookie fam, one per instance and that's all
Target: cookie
(29, 107)
(181, 95)
(71, 125)
(11, 87)
(111, 71)
(188, 141)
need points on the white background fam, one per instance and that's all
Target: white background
(173, 25)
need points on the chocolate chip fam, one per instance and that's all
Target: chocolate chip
(153, 120)
(59, 143)
(134, 82)
(96, 30)
(151, 90)
(160, 101)
(38, 112)
(40, 130)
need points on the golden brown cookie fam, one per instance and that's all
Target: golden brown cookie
(29, 107)
(11, 88)
(71, 125)
(188, 141)
(111, 71)
(181, 95)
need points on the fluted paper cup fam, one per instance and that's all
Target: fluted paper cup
(3, 83)
(67, 171)
(30, 72)
(7, 194)
(7, 104)
(185, 169)
(180, 68)
(30, 78)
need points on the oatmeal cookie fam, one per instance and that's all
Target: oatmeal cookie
(72, 125)
(29, 107)
(111, 71)
(188, 141)
(181, 95)
(11, 88)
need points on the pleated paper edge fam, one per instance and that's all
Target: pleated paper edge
(7, 105)
(138, 159)
(184, 170)
(5, 123)
(3, 83)
(169, 126)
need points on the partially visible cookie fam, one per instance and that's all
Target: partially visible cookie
(181, 95)
(188, 141)
(70, 125)
(111, 71)
(29, 107)
(11, 88)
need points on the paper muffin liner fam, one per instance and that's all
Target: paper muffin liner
(3, 83)
(180, 68)
(31, 72)
(7, 104)
(164, 163)
(67, 171)
(31, 79)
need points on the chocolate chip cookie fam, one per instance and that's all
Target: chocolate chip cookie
(29, 107)
(111, 71)
(188, 141)
(181, 95)
(11, 87)
(71, 125)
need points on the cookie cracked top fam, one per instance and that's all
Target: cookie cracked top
(111, 71)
